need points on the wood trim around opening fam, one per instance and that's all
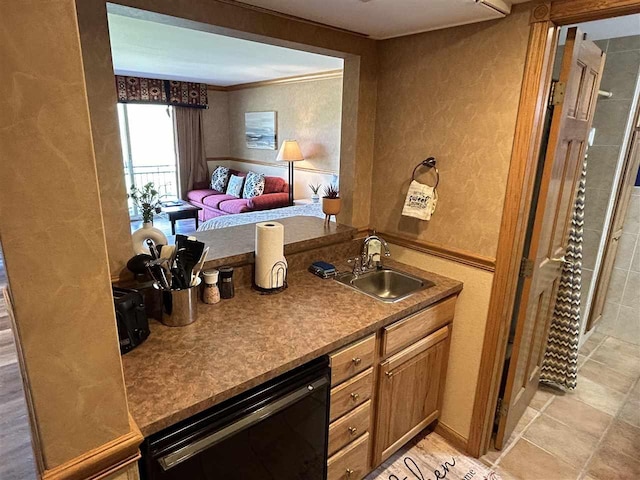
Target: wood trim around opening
(533, 98)
(101, 461)
(449, 253)
(524, 158)
(565, 12)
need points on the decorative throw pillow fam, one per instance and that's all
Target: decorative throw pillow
(253, 185)
(219, 179)
(234, 187)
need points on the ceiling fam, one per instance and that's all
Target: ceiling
(382, 19)
(142, 47)
(157, 50)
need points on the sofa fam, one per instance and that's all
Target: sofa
(215, 204)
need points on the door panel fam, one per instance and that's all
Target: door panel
(622, 203)
(581, 72)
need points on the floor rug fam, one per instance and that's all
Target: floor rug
(432, 458)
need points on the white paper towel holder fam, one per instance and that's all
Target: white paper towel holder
(280, 269)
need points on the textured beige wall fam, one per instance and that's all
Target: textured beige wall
(452, 94)
(53, 235)
(101, 97)
(216, 125)
(309, 112)
(468, 334)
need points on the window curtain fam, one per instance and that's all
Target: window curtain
(560, 363)
(192, 162)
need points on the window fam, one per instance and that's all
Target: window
(148, 148)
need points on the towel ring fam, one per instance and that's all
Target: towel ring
(428, 163)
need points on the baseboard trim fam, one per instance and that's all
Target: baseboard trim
(101, 461)
(449, 253)
(451, 436)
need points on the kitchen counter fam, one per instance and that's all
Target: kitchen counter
(245, 341)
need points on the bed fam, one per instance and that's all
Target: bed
(309, 210)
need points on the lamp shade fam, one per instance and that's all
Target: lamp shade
(289, 152)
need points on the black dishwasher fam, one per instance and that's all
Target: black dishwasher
(277, 430)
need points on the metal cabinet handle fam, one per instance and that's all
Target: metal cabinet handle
(355, 396)
(389, 374)
(186, 452)
(349, 472)
(356, 361)
(353, 430)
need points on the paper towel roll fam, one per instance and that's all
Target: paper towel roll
(269, 252)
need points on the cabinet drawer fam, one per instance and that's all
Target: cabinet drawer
(349, 427)
(417, 326)
(350, 394)
(350, 463)
(353, 359)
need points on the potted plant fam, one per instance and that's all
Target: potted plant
(331, 202)
(147, 200)
(315, 198)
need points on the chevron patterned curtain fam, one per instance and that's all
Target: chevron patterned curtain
(560, 363)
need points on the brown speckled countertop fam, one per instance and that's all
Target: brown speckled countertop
(240, 343)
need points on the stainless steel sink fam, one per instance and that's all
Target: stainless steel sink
(386, 284)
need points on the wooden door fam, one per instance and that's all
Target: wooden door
(411, 384)
(615, 232)
(582, 66)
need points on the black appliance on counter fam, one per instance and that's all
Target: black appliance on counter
(131, 317)
(278, 430)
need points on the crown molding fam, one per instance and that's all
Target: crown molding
(310, 77)
(268, 11)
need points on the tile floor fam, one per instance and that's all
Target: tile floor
(592, 433)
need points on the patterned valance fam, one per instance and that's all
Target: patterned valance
(162, 92)
(188, 94)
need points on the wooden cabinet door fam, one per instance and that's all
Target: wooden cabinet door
(410, 389)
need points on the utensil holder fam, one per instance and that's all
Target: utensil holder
(180, 307)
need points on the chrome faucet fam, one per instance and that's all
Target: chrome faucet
(358, 267)
(367, 258)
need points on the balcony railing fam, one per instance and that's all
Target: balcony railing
(164, 178)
